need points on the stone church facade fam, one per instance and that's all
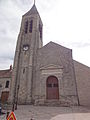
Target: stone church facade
(42, 75)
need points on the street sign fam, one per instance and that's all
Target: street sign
(11, 116)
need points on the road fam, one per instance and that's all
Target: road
(26, 112)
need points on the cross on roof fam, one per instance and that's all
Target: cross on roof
(34, 2)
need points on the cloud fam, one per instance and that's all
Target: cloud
(8, 32)
(11, 12)
(77, 44)
(5, 63)
(81, 44)
(63, 23)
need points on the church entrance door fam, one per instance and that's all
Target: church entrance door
(52, 88)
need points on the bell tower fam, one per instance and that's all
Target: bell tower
(29, 40)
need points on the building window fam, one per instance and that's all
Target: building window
(31, 26)
(26, 26)
(40, 30)
(7, 84)
(23, 70)
(0, 85)
(55, 85)
(49, 85)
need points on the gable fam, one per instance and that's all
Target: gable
(55, 45)
(53, 54)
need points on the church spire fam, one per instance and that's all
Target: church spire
(33, 10)
(34, 2)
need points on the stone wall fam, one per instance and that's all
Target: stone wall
(60, 58)
(83, 83)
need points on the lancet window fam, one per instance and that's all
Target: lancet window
(26, 26)
(31, 26)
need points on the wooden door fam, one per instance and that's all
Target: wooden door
(52, 88)
(4, 96)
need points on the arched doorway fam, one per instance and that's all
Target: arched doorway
(52, 88)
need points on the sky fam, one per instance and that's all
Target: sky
(66, 22)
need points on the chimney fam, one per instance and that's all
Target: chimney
(10, 67)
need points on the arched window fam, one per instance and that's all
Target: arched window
(40, 30)
(7, 84)
(31, 26)
(26, 26)
(23, 70)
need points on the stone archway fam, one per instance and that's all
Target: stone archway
(52, 88)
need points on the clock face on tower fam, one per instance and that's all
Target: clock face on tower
(25, 47)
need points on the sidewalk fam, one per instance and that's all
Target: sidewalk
(74, 116)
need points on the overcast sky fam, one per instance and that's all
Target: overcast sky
(66, 22)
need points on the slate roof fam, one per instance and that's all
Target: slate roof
(33, 10)
(54, 44)
(5, 73)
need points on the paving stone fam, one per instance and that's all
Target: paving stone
(26, 112)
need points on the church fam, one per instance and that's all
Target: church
(46, 75)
